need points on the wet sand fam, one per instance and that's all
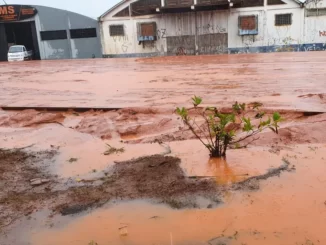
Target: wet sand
(280, 80)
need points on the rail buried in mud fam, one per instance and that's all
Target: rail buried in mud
(57, 109)
(107, 109)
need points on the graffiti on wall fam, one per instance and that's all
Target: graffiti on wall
(210, 29)
(161, 33)
(281, 48)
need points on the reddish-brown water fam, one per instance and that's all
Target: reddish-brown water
(289, 210)
(286, 210)
(283, 80)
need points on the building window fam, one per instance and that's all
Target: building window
(178, 3)
(274, 2)
(83, 33)
(53, 35)
(248, 25)
(146, 31)
(283, 19)
(315, 12)
(116, 30)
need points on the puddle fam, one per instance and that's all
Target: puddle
(91, 159)
(289, 209)
(238, 165)
(286, 210)
(86, 150)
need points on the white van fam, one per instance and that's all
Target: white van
(19, 53)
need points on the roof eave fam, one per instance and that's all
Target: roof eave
(300, 2)
(111, 9)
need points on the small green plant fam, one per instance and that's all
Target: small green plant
(219, 131)
(196, 100)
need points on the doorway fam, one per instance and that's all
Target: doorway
(18, 33)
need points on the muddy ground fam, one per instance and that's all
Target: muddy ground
(114, 175)
(159, 177)
(280, 80)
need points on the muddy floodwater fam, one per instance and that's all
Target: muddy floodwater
(282, 80)
(136, 175)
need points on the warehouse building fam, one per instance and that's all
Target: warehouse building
(51, 33)
(136, 28)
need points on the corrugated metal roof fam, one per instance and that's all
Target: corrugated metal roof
(123, 1)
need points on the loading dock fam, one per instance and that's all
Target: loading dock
(49, 32)
(22, 33)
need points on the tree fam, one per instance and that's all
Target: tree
(218, 131)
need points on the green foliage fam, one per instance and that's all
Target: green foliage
(247, 127)
(196, 100)
(276, 119)
(263, 124)
(218, 131)
(183, 113)
(238, 108)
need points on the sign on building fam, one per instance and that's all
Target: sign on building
(16, 12)
(146, 31)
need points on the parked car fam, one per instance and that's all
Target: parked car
(19, 53)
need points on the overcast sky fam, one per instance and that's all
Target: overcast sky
(91, 8)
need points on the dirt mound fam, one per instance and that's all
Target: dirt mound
(155, 126)
(17, 169)
(307, 130)
(28, 118)
(99, 125)
(158, 176)
(154, 177)
(128, 123)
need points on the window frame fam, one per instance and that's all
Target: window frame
(43, 38)
(113, 34)
(80, 31)
(277, 23)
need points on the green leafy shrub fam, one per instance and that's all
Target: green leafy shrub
(219, 131)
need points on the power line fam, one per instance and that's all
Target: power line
(4, 2)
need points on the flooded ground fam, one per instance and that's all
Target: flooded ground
(283, 80)
(137, 176)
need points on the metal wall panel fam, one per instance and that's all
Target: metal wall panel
(213, 43)
(56, 19)
(181, 45)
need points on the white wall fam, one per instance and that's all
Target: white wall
(303, 29)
